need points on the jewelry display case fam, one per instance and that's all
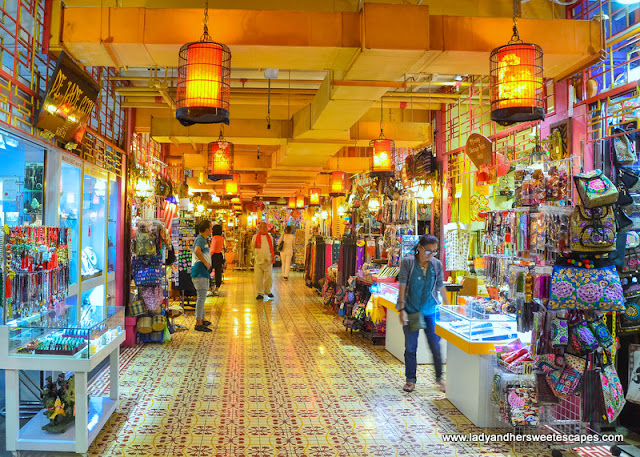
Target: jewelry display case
(112, 225)
(94, 223)
(475, 324)
(60, 332)
(69, 210)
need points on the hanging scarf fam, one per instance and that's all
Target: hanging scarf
(258, 245)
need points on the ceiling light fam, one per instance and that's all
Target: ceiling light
(220, 158)
(383, 149)
(204, 74)
(314, 196)
(337, 184)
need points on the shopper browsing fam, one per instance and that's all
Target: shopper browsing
(287, 241)
(420, 278)
(217, 248)
(264, 258)
(200, 268)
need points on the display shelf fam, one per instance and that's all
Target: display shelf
(32, 437)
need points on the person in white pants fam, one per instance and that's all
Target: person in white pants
(264, 258)
(286, 253)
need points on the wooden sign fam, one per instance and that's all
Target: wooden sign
(479, 150)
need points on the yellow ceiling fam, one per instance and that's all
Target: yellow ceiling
(338, 60)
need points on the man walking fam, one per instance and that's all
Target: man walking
(264, 258)
(420, 278)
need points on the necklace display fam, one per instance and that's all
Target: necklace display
(36, 269)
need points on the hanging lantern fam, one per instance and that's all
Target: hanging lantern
(381, 164)
(231, 186)
(337, 184)
(299, 201)
(374, 204)
(143, 187)
(220, 158)
(292, 202)
(204, 72)
(517, 88)
(314, 196)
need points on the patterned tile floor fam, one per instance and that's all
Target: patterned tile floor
(278, 378)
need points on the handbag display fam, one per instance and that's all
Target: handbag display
(595, 189)
(593, 230)
(625, 151)
(147, 271)
(612, 392)
(623, 222)
(592, 401)
(624, 197)
(630, 178)
(565, 383)
(582, 341)
(582, 288)
(629, 322)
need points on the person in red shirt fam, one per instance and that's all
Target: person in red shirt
(217, 248)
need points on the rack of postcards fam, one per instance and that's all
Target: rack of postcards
(150, 279)
(35, 272)
(549, 260)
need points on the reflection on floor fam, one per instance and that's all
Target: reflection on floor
(278, 378)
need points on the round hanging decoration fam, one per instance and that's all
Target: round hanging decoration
(163, 188)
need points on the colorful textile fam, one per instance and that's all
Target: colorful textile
(581, 288)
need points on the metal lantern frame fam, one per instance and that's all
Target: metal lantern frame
(204, 80)
(337, 177)
(314, 196)
(382, 156)
(517, 85)
(231, 186)
(220, 157)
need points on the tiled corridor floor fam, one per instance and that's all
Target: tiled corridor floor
(278, 378)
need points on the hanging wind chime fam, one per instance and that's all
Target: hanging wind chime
(517, 87)
(204, 73)
(383, 150)
(221, 159)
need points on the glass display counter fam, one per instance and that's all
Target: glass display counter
(69, 210)
(60, 333)
(477, 325)
(94, 224)
(112, 225)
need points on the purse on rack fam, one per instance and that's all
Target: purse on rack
(629, 321)
(565, 383)
(559, 332)
(582, 341)
(593, 230)
(586, 288)
(625, 151)
(595, 189)
(601, 332)
(592, 400)
(630, 178)
(624, 197)
(623, 222)
(147, 271)
(612, 392)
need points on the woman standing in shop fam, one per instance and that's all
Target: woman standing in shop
(420, 279)
(200, 270)
(217, 248)
(264, 259)
(287, 241)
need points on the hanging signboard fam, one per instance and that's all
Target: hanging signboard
(479, 149)
(71, 96)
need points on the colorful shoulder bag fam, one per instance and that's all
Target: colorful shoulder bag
(586, 288)
(593, 230)
(595, 189)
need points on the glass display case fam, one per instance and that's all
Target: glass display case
(69, 210)
(112, 225)
(387, 291)
(65, 332)
(94, 224)
(477, 325)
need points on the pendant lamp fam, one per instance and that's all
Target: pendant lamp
(314, 196)
(299, 201)
(220, 159)
(292, 202)
(383, 150)
(337, 184)
(231, 186)
(204, 73)
(517, 88)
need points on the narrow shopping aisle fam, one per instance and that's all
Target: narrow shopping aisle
(277, 378)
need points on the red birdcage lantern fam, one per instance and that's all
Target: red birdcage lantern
(517, 87)
(383, 150)
(299, 201)
(231, 186)
(292, 202)
(314, 196)
(204, 73)
(337, 184)
(220, 159)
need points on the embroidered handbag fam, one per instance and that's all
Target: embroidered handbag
(601, 332)
(559, 332)
(612, 392)
(624, 148)
(595, 189)
(593, 230)
(581, 288)
(582, 341)
(564, 384)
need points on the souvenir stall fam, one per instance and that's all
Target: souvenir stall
(42, 331)
(183, 234)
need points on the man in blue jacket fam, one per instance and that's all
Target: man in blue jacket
(420, 278)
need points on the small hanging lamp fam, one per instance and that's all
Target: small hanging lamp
(299, 201)
(381, 157)
(517, 88)
(292, 202)
(204, 73)
(314, 196)
(220, 158)
(231, 186)
(337, 184)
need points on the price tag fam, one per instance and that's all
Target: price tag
(527, 368)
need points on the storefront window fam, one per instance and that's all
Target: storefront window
(21, 181)
(94, 227)
(112, 229)
(69, 211)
